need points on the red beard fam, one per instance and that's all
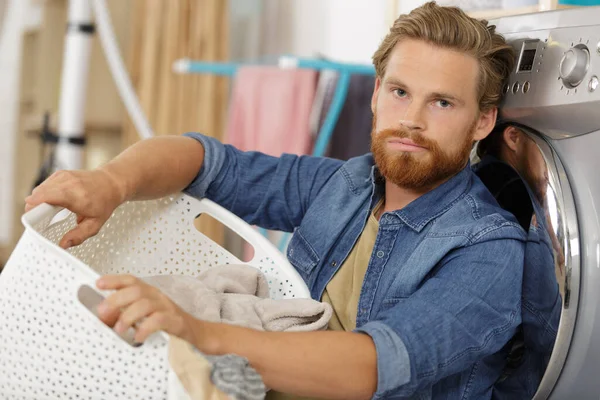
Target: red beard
(417, 171)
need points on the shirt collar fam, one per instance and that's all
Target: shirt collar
(432, 204)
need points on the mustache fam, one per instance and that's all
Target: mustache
(416, 137)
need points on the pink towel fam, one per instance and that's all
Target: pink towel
(270, 110)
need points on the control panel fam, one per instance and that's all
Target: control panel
(554, 87)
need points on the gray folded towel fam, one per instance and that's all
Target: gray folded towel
(239, 295)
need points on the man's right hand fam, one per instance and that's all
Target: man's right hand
(91, 195)
(150, 169)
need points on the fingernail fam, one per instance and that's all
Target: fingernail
(119, 327)
(102, 308)
(69, 244)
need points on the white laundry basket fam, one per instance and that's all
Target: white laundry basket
(53, 347)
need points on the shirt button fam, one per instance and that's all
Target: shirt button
(334, 264)
(380, 254)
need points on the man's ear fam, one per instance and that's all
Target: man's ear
(512, 137)
(375, 94)
(485, 124)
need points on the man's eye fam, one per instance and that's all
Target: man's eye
(400, 92)
(444, 103)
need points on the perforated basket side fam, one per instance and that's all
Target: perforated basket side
(54, 348)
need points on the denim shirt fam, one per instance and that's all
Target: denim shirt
(441, 296)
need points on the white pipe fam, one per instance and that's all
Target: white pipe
(117, 67)
(11, 44)
(74, 81)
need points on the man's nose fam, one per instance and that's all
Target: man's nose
(412, 118)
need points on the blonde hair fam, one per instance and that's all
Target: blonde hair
(450, 27)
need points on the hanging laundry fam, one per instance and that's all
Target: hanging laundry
(270, 109)
(323, 96)
(352, 134)
(269, 112)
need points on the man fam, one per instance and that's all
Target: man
(421, 265)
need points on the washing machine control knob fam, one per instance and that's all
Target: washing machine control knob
(574, 65)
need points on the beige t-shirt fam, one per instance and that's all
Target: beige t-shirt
(343, 291)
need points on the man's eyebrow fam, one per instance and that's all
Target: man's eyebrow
(394, 82)
(447, 96)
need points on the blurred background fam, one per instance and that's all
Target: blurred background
(264, 103)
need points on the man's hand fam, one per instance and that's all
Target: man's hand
(92, 195)
(136, 302)
(335, 365)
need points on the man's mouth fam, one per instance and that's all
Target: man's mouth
(404, 144)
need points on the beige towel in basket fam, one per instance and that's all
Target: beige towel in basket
(239, 295)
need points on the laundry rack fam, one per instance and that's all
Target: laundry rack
(345, 70)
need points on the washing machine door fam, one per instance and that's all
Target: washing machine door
(525, 175)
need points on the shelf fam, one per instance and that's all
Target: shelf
(498, 13)
(32, 122)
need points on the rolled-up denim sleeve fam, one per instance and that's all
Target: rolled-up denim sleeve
(468, 309)
(271, 192)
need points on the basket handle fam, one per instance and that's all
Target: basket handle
(39, 213)
(263, 248)
(90, 299)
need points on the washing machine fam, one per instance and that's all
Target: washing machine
(553, 96)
